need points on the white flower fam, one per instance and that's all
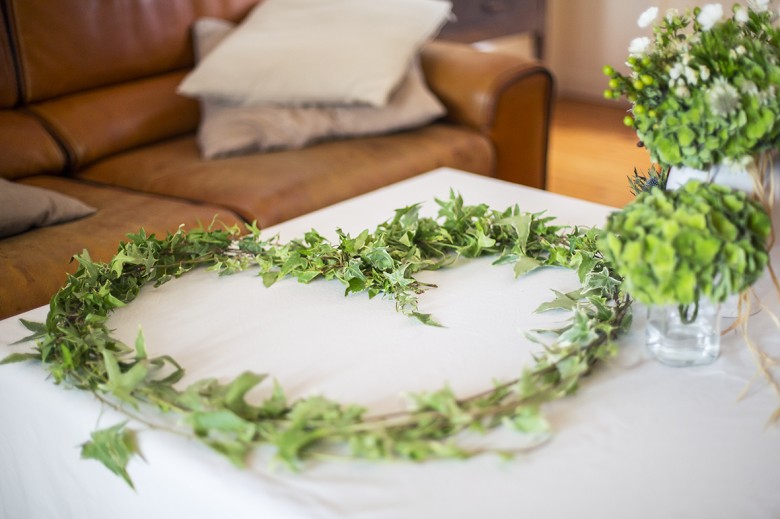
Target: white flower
(676, 71)
(647, 17)
(740, 14)
(748, 87)
(737, 52)
(759, 5)
(723, 98)
(672, 14)
(710, 15)
(690, 76)
(638, 46)
(767, 96)
(682, 91)
(704, 73)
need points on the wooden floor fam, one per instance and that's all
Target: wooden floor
(591, 152)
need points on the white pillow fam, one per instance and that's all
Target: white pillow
(230, 128)
(318, 52)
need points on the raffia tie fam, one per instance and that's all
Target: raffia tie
(764, 190)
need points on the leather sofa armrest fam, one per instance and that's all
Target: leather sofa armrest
(504, 97)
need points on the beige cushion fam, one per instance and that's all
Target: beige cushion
(318, 52)
(230, 128)
(24, 207)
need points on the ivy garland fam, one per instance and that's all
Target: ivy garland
(76, 345)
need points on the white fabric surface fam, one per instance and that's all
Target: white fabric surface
(638, 440)
(310, 51)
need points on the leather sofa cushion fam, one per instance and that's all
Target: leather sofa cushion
(38, 260)
(100, 122)
(103, 76)
(68, 46)
(26, 148)
(275, 186)
(9, 91)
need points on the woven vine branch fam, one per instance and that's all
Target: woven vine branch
(76, 346)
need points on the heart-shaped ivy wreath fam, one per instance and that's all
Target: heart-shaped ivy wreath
(77, 347)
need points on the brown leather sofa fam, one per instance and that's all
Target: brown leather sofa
(88, 108)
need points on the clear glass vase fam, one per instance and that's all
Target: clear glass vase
(684, 335)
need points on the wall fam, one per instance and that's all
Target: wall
(584, 35)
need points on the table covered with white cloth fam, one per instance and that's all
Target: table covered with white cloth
(638, 439)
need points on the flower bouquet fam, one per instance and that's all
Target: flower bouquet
(678, 247)
(682, 253)
(705, 94)
(705, 90)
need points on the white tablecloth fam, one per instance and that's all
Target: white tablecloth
(638, 440)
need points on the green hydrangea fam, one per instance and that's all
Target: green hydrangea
(705, 87)
(702, 241)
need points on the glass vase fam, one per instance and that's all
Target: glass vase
(725, 175)
(684, 335)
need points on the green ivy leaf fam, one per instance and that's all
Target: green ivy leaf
(525, 264)
(38, 329)
(528, 420)
(561, 302)
(521, 223)
(274, 406)
(122, 384)
(140, 345)
(379, 258)
(225, 421)
(19, 357)
(235, 393)
(113, 447)
(291, 444)
(427, 319)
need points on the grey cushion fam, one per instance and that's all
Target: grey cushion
(25, 207)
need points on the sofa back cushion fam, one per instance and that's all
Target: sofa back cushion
(26, 147)
(9, 92)
(69, 46)
(101, 74)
